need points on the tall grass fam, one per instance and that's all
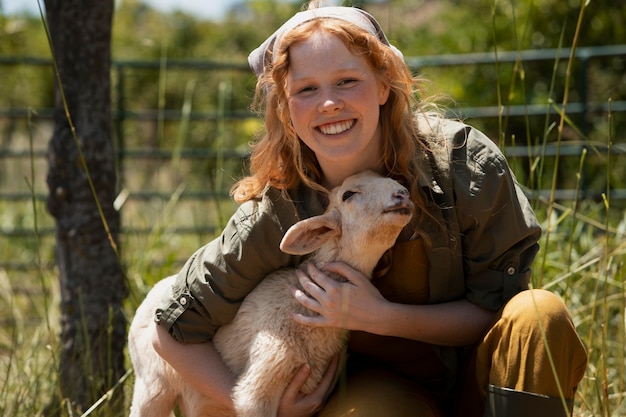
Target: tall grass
(582, 257)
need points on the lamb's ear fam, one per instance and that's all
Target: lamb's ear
(308, 235)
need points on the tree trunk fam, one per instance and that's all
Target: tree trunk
(92, 284)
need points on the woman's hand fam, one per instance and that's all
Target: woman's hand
(296, 404)
(349, 305)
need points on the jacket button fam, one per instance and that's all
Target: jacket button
(182, 301)
(510, 270)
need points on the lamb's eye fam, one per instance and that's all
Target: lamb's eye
(347, 195)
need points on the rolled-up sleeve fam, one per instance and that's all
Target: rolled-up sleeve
(212, 284)
(499, 230)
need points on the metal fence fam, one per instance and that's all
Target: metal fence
(123, 116)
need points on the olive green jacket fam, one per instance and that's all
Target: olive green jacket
(483, 238)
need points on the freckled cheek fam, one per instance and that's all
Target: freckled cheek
(298, 111)
(362, 97)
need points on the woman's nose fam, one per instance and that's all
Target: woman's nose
(329, 102)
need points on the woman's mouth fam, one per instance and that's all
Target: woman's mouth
(336, 128)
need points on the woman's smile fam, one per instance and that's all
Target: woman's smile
(336, 127)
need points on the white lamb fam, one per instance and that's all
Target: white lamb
(263, 346)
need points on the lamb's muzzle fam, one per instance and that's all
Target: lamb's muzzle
(402, 203)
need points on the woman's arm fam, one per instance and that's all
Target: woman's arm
(358, 305)
(198, 364)
(453, 323)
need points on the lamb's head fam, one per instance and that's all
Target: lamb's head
(364, 218)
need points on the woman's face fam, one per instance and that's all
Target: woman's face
(334, 99)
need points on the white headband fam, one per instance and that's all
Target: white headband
(259, 57)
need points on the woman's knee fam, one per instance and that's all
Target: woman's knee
(535, 326)
(528, 308)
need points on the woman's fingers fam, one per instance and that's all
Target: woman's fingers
(292, 391)
(295, 403)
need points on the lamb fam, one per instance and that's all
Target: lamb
(263, 346)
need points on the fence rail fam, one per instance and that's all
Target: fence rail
(121, 115)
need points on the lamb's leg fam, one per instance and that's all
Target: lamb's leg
(194, 404)
(260, 387)
(150, 399)
(155, 387)
(253, 398)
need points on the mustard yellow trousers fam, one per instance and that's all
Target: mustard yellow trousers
(532, 347)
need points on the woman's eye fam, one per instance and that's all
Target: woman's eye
(306, 90)
(347, 195)
(347, 81)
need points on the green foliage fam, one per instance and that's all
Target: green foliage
(24, 85)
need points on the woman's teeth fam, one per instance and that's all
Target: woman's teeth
(336, 128)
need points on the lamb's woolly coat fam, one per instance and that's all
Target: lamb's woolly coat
(263, 346)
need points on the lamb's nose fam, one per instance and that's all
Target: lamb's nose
(402, 194)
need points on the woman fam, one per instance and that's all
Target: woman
(447, 325)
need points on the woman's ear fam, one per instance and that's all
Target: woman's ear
(383, 91)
